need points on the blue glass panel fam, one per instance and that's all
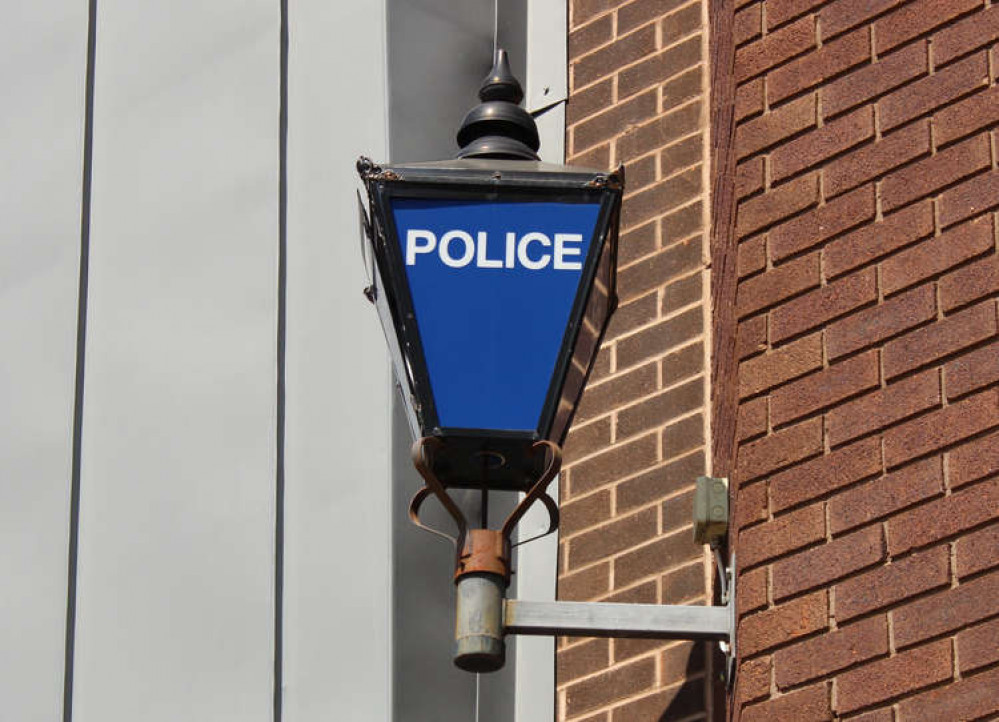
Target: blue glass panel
(493, 284)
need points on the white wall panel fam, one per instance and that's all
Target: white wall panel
(176, 560)
(337, 631)
(43, 49)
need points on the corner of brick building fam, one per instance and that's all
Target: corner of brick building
(834, 196)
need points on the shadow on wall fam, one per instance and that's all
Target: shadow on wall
(688, 699)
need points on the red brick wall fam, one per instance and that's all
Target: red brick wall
(638, 98)
(867, 503)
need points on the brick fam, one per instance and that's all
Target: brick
(943, 612)
(878, 158)
(972, 197)
(585, 10)
(748, 24)
(683, 363)
(789, 532)
(827, 563)
(682, 700)
(845, 14)
(777, 284)
(888, 678)
(825, 474)
(890, 405)
(884, 714)
(893, 583)
(930, 174)
(916, 18)
(937, 254)
(823, 305)
(829, 386)
(621, 52)
(678, 511)
(589, 102)
(632, 316)
(768, 629)
(970, 698)
(683, 436)
(881, 497)
(586, 439)
(633, 14)
(655, 69)
(875, 324)
(977, 552)
(613, 121)
(970, 283)
(818, 225)
(682, 223)
(865, 84)
(874, 240)
(972, 371)
(658, 132)
(752, 419)
(943, 517)
(604, 397)
(751, 337)
(618, 461)
(584, 39)
(751, 256)
(788, 362)
(978, 646)
(625, 649)
(748, 99)
(659, 409)
(811, 703)
(749, 177)
(659, 338)
(780, 11)
(637, 243)
(752, 591)
(956, 332)
(613, 685)
(754, 679)
(831, 652)
(590, 510)
(775, 48)
(942, 428)
(681, 89)
(680, 23)
(828, 61)
(969, 34)
(817, 146)
(974, 460)
(586, 584)
(642, 594)
(686, 584)
(682, 293)
(664, 196)
(612, 538)
(971, 114)
(680, 657)
(750, 508)
(680, 155)
(598, 157)
(761, 133)
(659, 482)
(582, 659)
(641, 173)
(933, 91)
(657, 269)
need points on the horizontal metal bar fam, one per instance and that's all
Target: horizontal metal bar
(602, 619)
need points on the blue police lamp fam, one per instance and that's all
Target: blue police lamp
(494, 279)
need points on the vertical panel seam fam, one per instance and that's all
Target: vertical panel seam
(282, 294)
(81, 345)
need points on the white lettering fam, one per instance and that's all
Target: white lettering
(511, 249)
(561, 252)
(525, 260)
(480, 257)
(412, 248)
(469, 253)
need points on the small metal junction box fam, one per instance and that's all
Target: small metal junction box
(710, 510)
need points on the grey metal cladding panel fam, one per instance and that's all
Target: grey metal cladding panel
(176, 559)
(43, 49)
(337, 598)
